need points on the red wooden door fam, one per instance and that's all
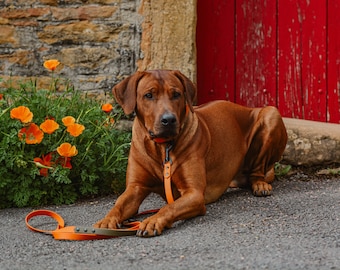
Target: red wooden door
(284, 53)
(215, 50)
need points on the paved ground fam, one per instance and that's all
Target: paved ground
(296, 228)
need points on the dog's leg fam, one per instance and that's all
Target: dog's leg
(267, 145)
(125, 207)
(261, 171)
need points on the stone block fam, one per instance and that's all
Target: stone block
(10, 13)
(83, 13)
(91, 57)
(78, 33)
(8, 35)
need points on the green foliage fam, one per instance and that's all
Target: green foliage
(102, 149)
(281, 169)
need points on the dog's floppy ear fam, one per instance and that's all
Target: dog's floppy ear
(190, 91)
(125, 92)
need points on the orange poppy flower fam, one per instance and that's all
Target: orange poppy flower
(1, 96)
(67, 150)
(51, 64)
(49, 126)
(68, 121)
(44, 161)
(32, 134)
(107, 107)
(22, 113)
(75, 130)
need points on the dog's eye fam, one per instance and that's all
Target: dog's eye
(148, 96)
(176, 95)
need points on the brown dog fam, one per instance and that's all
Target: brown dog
(214, 146)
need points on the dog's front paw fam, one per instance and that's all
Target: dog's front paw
(152, 226)
(108, 223)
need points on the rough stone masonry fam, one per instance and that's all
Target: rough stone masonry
(97, 41)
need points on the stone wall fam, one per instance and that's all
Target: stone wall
(97, 41)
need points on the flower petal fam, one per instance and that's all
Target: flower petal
(49, 126)
(32, 134)
(22, 113)
(68, 120)
(75, 130)
(67, 150)
(51, 64)
(107, 107)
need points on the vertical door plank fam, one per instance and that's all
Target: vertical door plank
(256, 52)
(333, 113)
(290, 96)
(302, 58)
(215, 50)
(314, 59)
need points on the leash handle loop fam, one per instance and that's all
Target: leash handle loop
(54, 215)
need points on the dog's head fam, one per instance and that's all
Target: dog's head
(161, 100)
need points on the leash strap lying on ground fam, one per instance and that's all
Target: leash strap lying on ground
(89, 233)
(81, 233)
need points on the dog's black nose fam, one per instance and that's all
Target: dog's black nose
(168, 119)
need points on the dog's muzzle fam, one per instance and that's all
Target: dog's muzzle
(166, 129)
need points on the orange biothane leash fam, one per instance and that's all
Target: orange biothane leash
(79, 233)
(167, 174)
(90, 233)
